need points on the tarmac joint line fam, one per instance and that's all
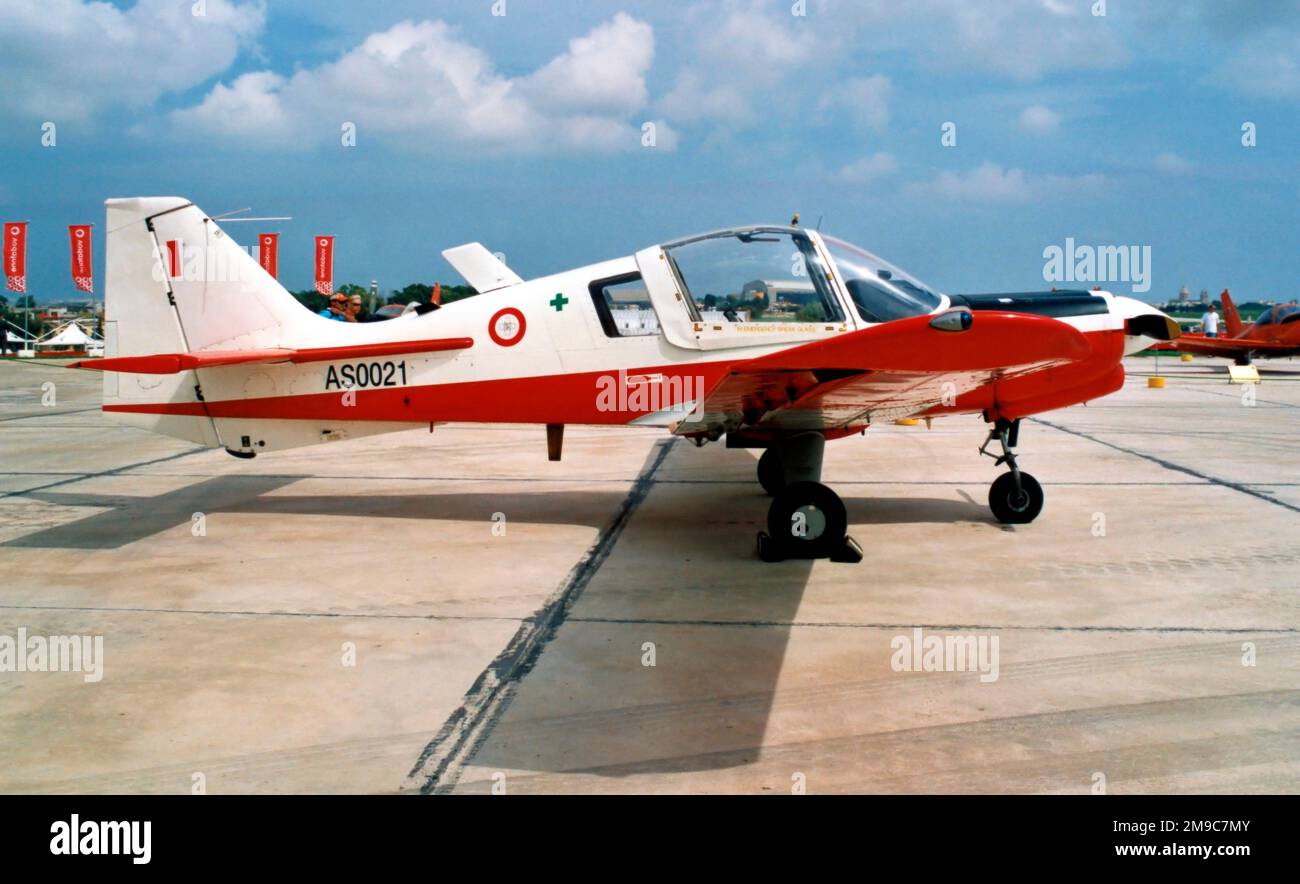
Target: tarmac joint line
(1170, 465)
(439, 766)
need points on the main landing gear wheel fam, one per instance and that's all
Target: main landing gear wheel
(771, 475)
(807, 520)
(1015, 498)
(1014, 505)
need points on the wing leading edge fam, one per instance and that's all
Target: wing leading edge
(890, 370)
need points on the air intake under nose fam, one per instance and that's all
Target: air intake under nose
(1156, 326)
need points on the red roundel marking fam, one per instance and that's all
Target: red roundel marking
(507, 327)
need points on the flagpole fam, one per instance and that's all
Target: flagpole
(30, 299)
(25, 223)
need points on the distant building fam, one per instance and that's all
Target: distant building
(633, 319)
(1205, 296)
(1184, 295)
(794, 291)
(719, 316)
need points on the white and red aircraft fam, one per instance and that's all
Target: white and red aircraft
(776, 337)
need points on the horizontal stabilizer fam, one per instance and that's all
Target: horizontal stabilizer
(173, 363)
(481, 269)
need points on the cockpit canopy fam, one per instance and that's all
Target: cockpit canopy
(777, 274)
(1280, 314)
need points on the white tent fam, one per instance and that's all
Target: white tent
(72, 336)
(17, 340)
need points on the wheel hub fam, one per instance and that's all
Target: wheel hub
(807, 523)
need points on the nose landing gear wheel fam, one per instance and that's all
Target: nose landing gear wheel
(1012, 505)
(771, 475)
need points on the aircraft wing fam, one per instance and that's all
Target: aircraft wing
(1230, 346)
(886, 371)
(173, 363)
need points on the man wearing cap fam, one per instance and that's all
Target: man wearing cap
(338, 307)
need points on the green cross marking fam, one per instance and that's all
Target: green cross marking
(559, 301)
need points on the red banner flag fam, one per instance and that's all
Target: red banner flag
(268, 253)
(325, 264)
(83, 272)
(15, 256)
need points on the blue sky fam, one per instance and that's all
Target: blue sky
(525, 130)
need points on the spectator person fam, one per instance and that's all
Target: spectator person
(1210, 322)
(4, 338)
(338, 307)
(354, 313)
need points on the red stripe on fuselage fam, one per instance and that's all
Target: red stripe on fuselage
(572, 398)
(555, 399)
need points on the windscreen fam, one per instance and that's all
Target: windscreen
(880, 291)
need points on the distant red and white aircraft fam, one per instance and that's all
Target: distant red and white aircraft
(776, 337)
(1276, 333)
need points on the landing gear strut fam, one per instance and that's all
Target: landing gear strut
(1015, 498)
(806, 520)
(770, 473)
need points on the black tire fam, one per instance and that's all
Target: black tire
(771, 475)
(1012, 508)
(807, 520)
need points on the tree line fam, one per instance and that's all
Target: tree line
(416, 291)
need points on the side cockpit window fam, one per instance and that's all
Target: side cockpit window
(623, 305)
(754, 275)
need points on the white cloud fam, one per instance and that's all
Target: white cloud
(72, 59)
(868, 168)
(742, 55)
(1022, 39)
(988, 183)
(991, 183)
(665, 136)
(418, 80)
(1028, 38)
(1172, 164)
(748, 61)
(1265, 65)
(1039, 120)
(601, 72)
(693, 99)
(864, 99)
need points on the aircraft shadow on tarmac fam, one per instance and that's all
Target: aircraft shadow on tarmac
(128, 519)
(708, 712)
(721, 621)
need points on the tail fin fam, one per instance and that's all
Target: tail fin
(1231, 318)
(176, 283)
